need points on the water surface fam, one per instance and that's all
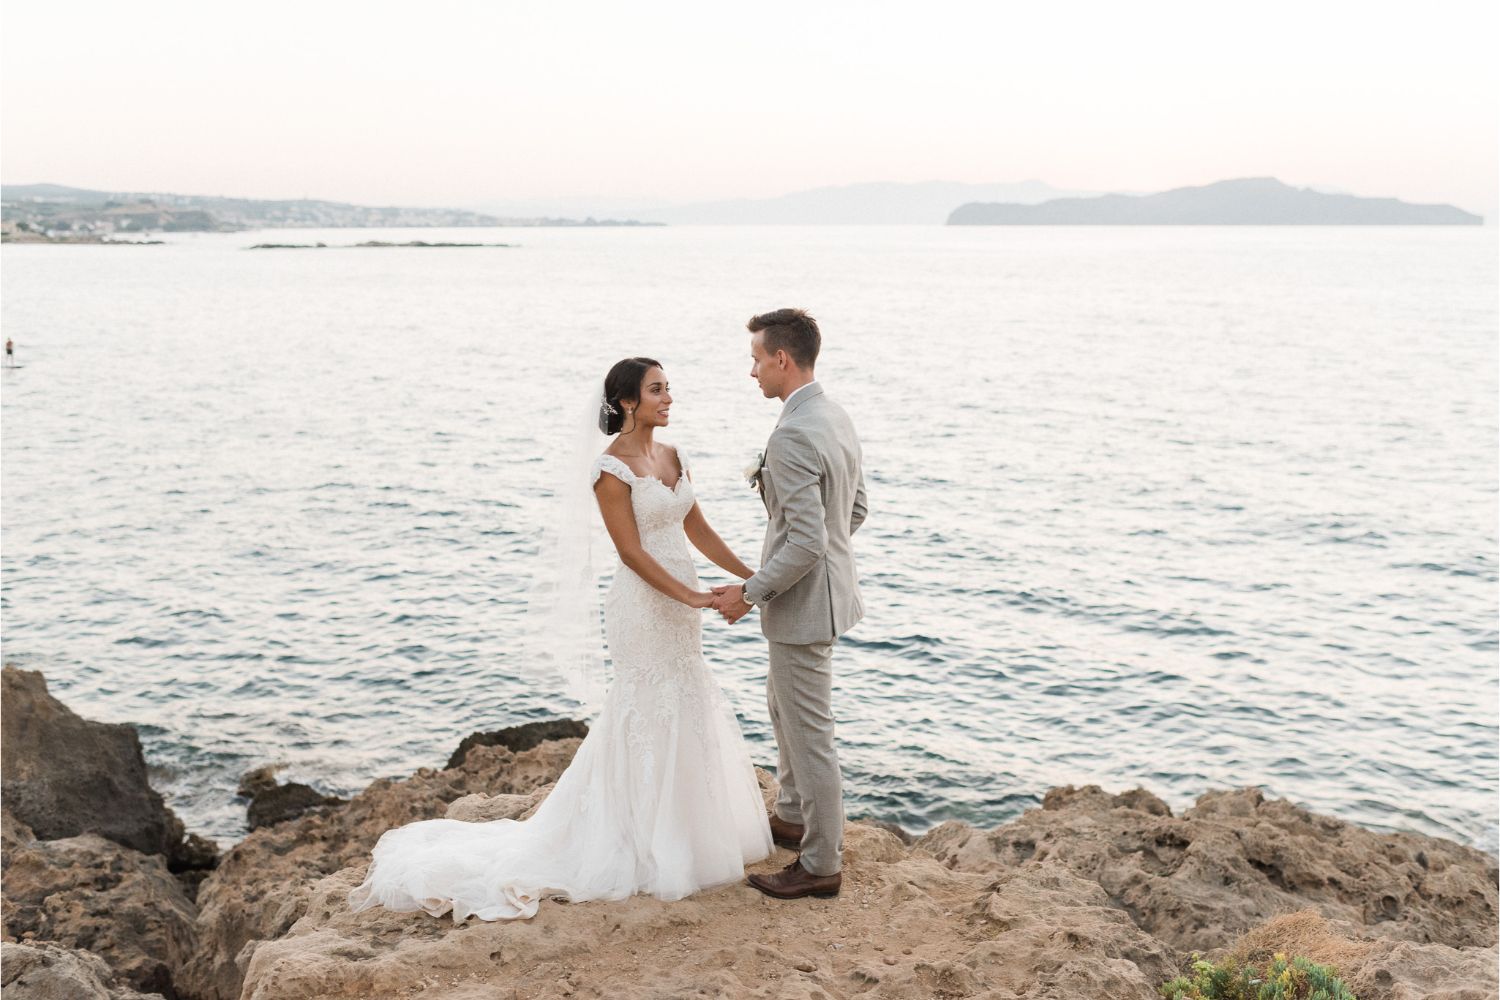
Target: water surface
(1188, 508)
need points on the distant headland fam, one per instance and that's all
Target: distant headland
(41, 213)
(1253, 201)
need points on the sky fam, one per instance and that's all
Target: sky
(458, 103)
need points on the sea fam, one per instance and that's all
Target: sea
(1185, 508)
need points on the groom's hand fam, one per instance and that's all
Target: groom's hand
(730, 602)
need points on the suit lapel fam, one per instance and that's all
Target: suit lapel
(811, 392)
(760, 480)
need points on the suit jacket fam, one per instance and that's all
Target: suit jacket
(813, 486)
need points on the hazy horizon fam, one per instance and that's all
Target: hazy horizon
(660, 209)
(471, 104)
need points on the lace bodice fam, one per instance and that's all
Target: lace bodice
(671, 640)
(657, 506)
(659, 512)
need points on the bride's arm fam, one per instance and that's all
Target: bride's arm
(707, 541)
(619, 518)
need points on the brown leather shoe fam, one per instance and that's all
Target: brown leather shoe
(786, 834)
(794, 882)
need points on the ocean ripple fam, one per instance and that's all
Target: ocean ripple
(278, 508)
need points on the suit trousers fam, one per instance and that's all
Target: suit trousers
(799, 693)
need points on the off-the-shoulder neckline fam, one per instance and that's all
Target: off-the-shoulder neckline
(636, 477)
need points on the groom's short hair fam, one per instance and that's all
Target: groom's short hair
(790, 330)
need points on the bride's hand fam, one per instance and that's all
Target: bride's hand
(703, 600)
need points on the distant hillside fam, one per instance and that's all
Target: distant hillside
(57, 207)
(925, 203)
(53, 192)
(54, 208)
(1256, 201)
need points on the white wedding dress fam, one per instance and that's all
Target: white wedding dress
(660, 798)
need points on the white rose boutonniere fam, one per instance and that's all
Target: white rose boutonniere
(752, 471)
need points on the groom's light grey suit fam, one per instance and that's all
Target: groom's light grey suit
(807, 589)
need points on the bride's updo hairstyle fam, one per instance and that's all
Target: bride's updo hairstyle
(622, 383)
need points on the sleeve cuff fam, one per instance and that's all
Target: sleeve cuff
(762, 599)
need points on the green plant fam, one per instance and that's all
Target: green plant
(1282, 979)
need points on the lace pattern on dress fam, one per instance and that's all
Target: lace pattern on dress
(664, 775)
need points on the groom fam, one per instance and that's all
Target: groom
(808, 592)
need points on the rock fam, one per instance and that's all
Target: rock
(262, 884)
(272, 802)
(522, 737)
(1377, 968)
(196, 854)
(64, 775)
(1071, 900)
(1048, 932)
(196, 859)
(280, 803)
(47, 971)
(479, 808)
(42, 971)
(13, 832)
(1094, 797)
(1038, 933)
(865, 842)
(889, 827)
(258, 780)
(1092, 895)
(1234, 860)
(90, 893)
(1401, 970)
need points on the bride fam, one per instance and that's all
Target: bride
(661, 797)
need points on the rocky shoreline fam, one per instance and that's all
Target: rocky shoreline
(15, 235)
(1093, 895)
(368, 244)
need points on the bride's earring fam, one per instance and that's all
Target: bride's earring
(630, 412)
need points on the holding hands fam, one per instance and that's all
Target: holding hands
(729, 601)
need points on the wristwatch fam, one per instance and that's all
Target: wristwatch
(745, 595)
